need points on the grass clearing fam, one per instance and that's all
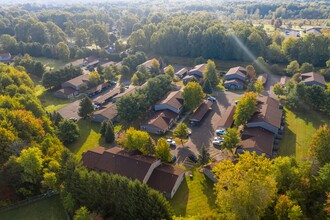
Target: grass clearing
(50, 64)
(90, 137)
(299, 129)
(50, 208)
(194, 197)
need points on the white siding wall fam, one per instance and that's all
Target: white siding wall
(177, 184)
(151, 169)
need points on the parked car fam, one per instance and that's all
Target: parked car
(96, 107)
(193, 158)
(220, 132)
(212, 99)
(236, 102)
(173, 158)
(218, 139)
(171, 142)
(217, 142)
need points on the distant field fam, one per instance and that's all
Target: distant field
(50, 209)
(299, 129)
(194, 196)
(50, 63)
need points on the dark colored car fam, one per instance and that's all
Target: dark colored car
(173, 158)
(193, 158)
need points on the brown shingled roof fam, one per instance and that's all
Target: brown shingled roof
(310, 77)
(77, 81)
(201, 111)
(118, 161)
(110, 94)
(161, 119)
(258, 139)
(268, 111)
(199, 67)
(228, 117)
(237, 70)
(66, 91)
(173, 99)
(109, 111)
(164, 177)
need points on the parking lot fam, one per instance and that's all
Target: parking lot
(204, 133)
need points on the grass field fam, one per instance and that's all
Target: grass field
(89, 138)
(299, 129)
(50, 63)
(50, 209)
(194, 196)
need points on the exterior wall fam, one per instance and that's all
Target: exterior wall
(98, 118)
(198, 73)
(264, 125)
(151, 129)
(177, 184)
(234, 76)
(165, 106)
(232, 86)
(313, 83)
(210, 175)
(151, 169)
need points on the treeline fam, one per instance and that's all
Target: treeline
(200, 35)
(30, 150)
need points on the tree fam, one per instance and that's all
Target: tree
(125, 71)
(163, 150)
(258, 87)
(137, 140)
(31, 161)
(8, 43)
(85, 107)
(292, 68)
(246, 107)
(320, 145)
(109, 133)
(260, 65)
(324, 174)
(94, 79)
(63, 51)
(207, 88)
(81, 37)
(204, 156)
(7, 137)
(306, 68)
(99, 36)
(231, 139)
(181, 131)
(245, 189)
(285, 208)
(169, 71)
(210, 74)
(192, 95)
(199, 60)
(38, 33)
(251, 71)
(131, 107)
(82, 214)
(68, 131)
(278, 89)
(155, 66)
(137, 39)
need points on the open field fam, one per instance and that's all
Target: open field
(50, 64)
(299, 129)
(50, 208)
(194, 196)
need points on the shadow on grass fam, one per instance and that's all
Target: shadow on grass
(180, 200)
(287, 146)
(208, 190)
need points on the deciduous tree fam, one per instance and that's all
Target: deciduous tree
(278, 89)
(85, 107)
(192, 95)
(169, 71)
(292, 68)
(245, 108)
(320, 145)
(181, 131)
(163, 150)
(245, 189)
(94, 79)
(231, 138)
(210, 74)
(68, 131)
(258, 87)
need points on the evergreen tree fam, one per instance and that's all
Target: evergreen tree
(207, 88)
(109, 133)
(86, 107)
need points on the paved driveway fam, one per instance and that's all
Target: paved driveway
(272, 79)
(203, 134)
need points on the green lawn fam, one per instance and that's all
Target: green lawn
(52, 103)
(299, 129)
(50, 63)
(50, 209)
(89, 138)
(194, 196)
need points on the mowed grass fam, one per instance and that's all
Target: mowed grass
(194, 196)
(50, 64)
(90, 137)
(50, 209)
(299, 129)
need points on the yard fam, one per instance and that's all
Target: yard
(299, 129)
(50, 64)
(194, 196)
(50, 208)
